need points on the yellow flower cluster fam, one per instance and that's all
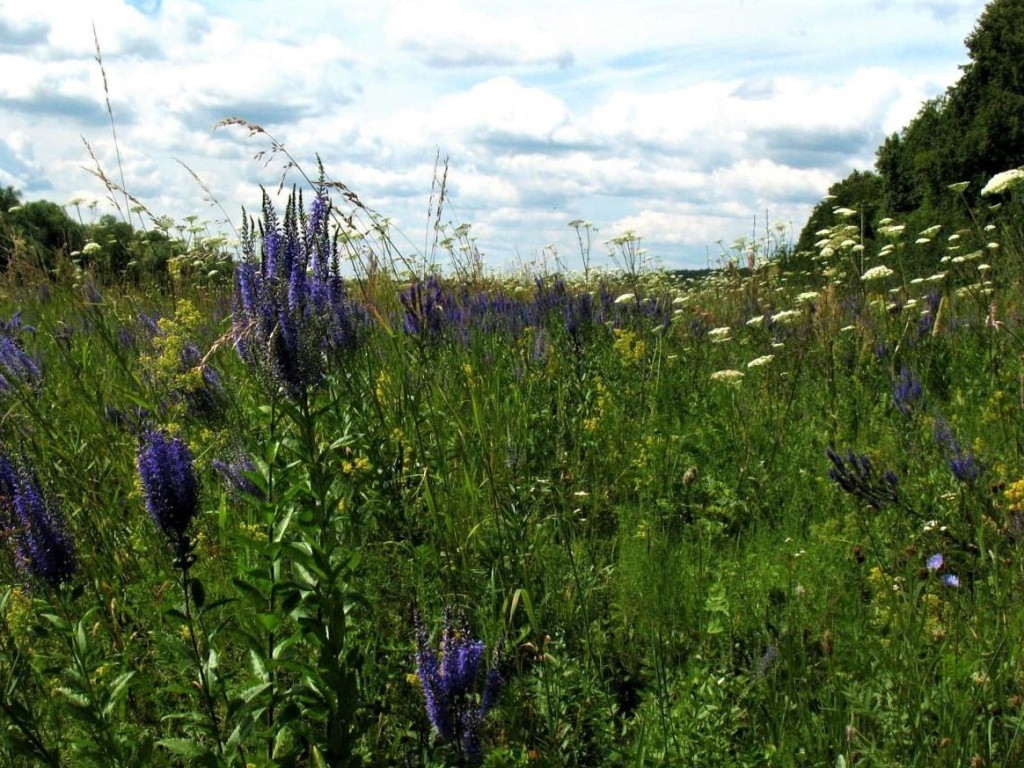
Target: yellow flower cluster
(630, 348)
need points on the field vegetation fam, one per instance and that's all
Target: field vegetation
(304, 501)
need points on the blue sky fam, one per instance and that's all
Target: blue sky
(688, 122)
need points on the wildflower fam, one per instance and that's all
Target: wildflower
(16, 365)
(907, 391)
(1003, 182)
(757, 362)
(292, 314)
(856, 475)
(236, 474)
(961, 463)
(42, 545)
(876, 273)
(170, 489)
(450, 681)
(935, 562)
(720, 333)
(728, 375)
(951, 580)
(785, 316)
(960, 186)
(625, 298)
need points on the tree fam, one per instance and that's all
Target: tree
(38, 231)
(9, 198)
(860, 191)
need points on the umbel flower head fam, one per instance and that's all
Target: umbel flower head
(450, 681)
(170, 489)
(42, 546)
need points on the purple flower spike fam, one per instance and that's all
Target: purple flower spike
(42, 546)
(170, 488)
(450, 682)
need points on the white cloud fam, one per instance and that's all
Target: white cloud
(681, 121)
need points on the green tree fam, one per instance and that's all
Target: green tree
(861, 191)
(38, 231)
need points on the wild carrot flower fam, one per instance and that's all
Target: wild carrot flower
(170, 489)
(877, 273)
(450, 680)
(42, 545)
(1003, 182)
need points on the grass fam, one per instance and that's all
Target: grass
(665, 565)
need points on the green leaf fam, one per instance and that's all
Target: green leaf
(184, 747)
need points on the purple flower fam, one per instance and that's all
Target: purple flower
(961, 463)
(16, 365)
(951, 580)
(236, 473)
(170, 489)
(292, 316)
(907, 392)
(934, 563)
(450, 682)
(42, 546)
(856, 475)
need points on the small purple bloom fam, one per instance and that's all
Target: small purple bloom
(170, 489)
(951, 580)
(934, 563)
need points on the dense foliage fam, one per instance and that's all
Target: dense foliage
(966, 135)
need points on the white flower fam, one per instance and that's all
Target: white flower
(757, 362)
(993, 246)
(720, 333)
(786, 315)
(922, 240)
(806, 296)
(844, 212)
(91, 248)
(990, 227)
(1002, 182)
(756, 320)
(728, 376)
(847, 243)
(625, 298)
(960, 186)
(877, 273)
(933, 229)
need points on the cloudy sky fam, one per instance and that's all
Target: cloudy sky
(687, 121)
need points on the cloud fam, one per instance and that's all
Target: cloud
(447, 34)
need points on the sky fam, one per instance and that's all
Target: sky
(691, 123)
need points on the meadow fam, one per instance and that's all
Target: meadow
(318, 507)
